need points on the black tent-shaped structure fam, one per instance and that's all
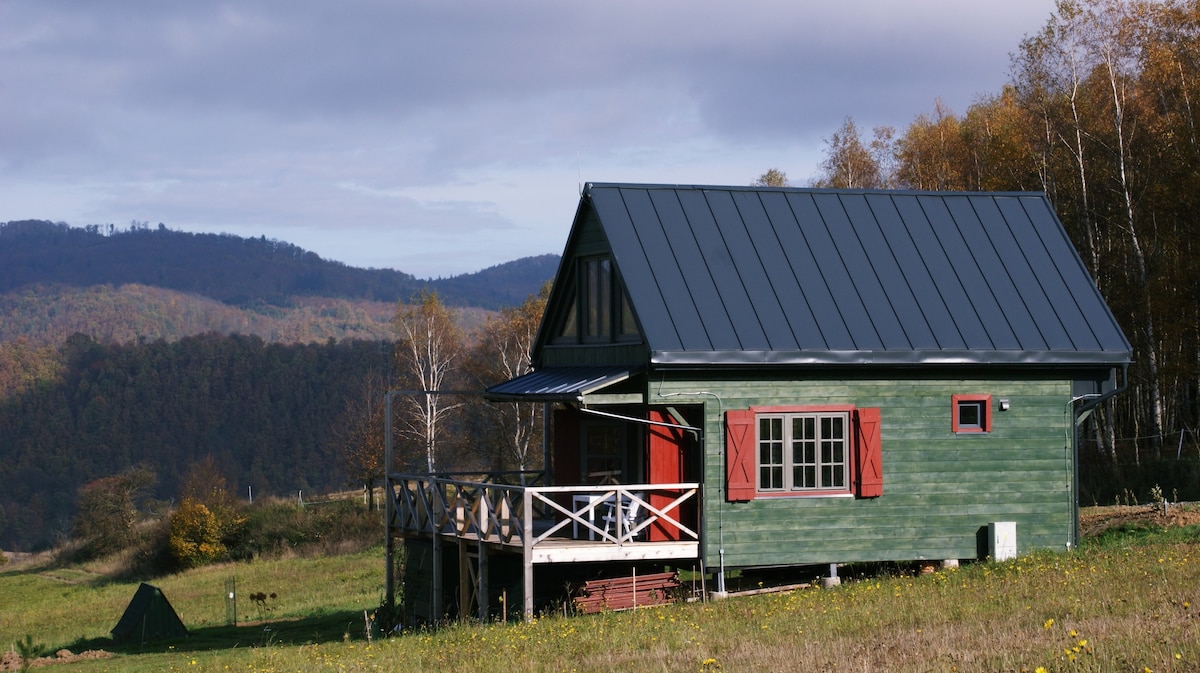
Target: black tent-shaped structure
(148, 617)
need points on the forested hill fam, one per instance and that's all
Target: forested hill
(267, 413)
(235, 270)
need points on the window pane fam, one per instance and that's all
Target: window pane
(604, 445)
(771, 477)
(770, 453)
(591, 300)
(970, 414)
(604, 300)
(568, 326)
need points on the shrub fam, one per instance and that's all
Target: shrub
(275, 528)
(108, 512)
(195, 537)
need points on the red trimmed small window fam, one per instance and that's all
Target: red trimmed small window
(971, 413)
(773, 451)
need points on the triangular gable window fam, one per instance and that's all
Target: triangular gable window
(600, 311)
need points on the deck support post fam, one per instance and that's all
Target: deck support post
(481, 592)
(464, 582)
(527, 554)
(435, 601)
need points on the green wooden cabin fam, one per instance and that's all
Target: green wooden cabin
(849, 375)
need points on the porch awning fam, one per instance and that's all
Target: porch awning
(559, 384)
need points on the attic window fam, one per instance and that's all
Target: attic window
(601, 312)
(971, 413)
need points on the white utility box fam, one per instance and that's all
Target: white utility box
(1002, 540)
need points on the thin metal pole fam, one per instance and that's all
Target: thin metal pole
(389, 544)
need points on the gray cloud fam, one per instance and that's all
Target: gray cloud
(471, 119)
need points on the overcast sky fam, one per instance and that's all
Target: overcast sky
(444, 136)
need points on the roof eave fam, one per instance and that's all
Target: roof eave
(890, 358)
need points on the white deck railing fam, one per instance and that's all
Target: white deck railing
(525, 516)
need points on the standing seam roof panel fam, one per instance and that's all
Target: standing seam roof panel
(806, 298)
(1073, 280)
(886, 270)
(763, 232)
(739, 272)
(645, 293)
(848, 237)
(1022, 269)
(772, 309)
(916, 274)
(846, 307)
(941, 270)
(996, 277)
(834, 249)
(657, 255)
(689, 259)
(974, 285)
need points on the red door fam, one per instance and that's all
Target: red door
(665, 464)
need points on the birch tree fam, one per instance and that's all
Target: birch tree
(428, 349)
(851, 164)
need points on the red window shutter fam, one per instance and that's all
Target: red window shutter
(868, 482)
(739, 455)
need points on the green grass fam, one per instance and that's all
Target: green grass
(317, 600)
(1125, 602)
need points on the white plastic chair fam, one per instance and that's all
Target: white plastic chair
(631, 509)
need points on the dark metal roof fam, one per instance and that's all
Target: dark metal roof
(729, 275)
(558, 384)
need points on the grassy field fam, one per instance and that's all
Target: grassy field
(1129, 600)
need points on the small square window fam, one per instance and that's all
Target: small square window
(971, 413)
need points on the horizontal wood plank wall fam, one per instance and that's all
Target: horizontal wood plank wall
(939, 489)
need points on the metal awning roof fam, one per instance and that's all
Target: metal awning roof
(559, 384)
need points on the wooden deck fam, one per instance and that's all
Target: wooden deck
(543, 524)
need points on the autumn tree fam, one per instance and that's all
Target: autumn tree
(109, 510)
(931, 154)
(358, 435)
(851, 164)
(428, 351)
(772, 178)
(501, 353)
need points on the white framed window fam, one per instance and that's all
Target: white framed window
(804, 452)
(821, 450)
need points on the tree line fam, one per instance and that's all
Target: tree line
(1101, 114)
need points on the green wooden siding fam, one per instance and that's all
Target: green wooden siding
(940, 490)
(592, 354)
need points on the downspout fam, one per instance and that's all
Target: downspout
(1078, 415)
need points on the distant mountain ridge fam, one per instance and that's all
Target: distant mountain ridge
(234, 270)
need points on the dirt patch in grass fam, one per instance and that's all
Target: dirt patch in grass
(1096, 520)
(10, 661)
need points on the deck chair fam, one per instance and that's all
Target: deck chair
(631, 511)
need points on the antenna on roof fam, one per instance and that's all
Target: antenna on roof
(578, 173)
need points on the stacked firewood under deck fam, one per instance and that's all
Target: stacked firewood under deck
(623, 593)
